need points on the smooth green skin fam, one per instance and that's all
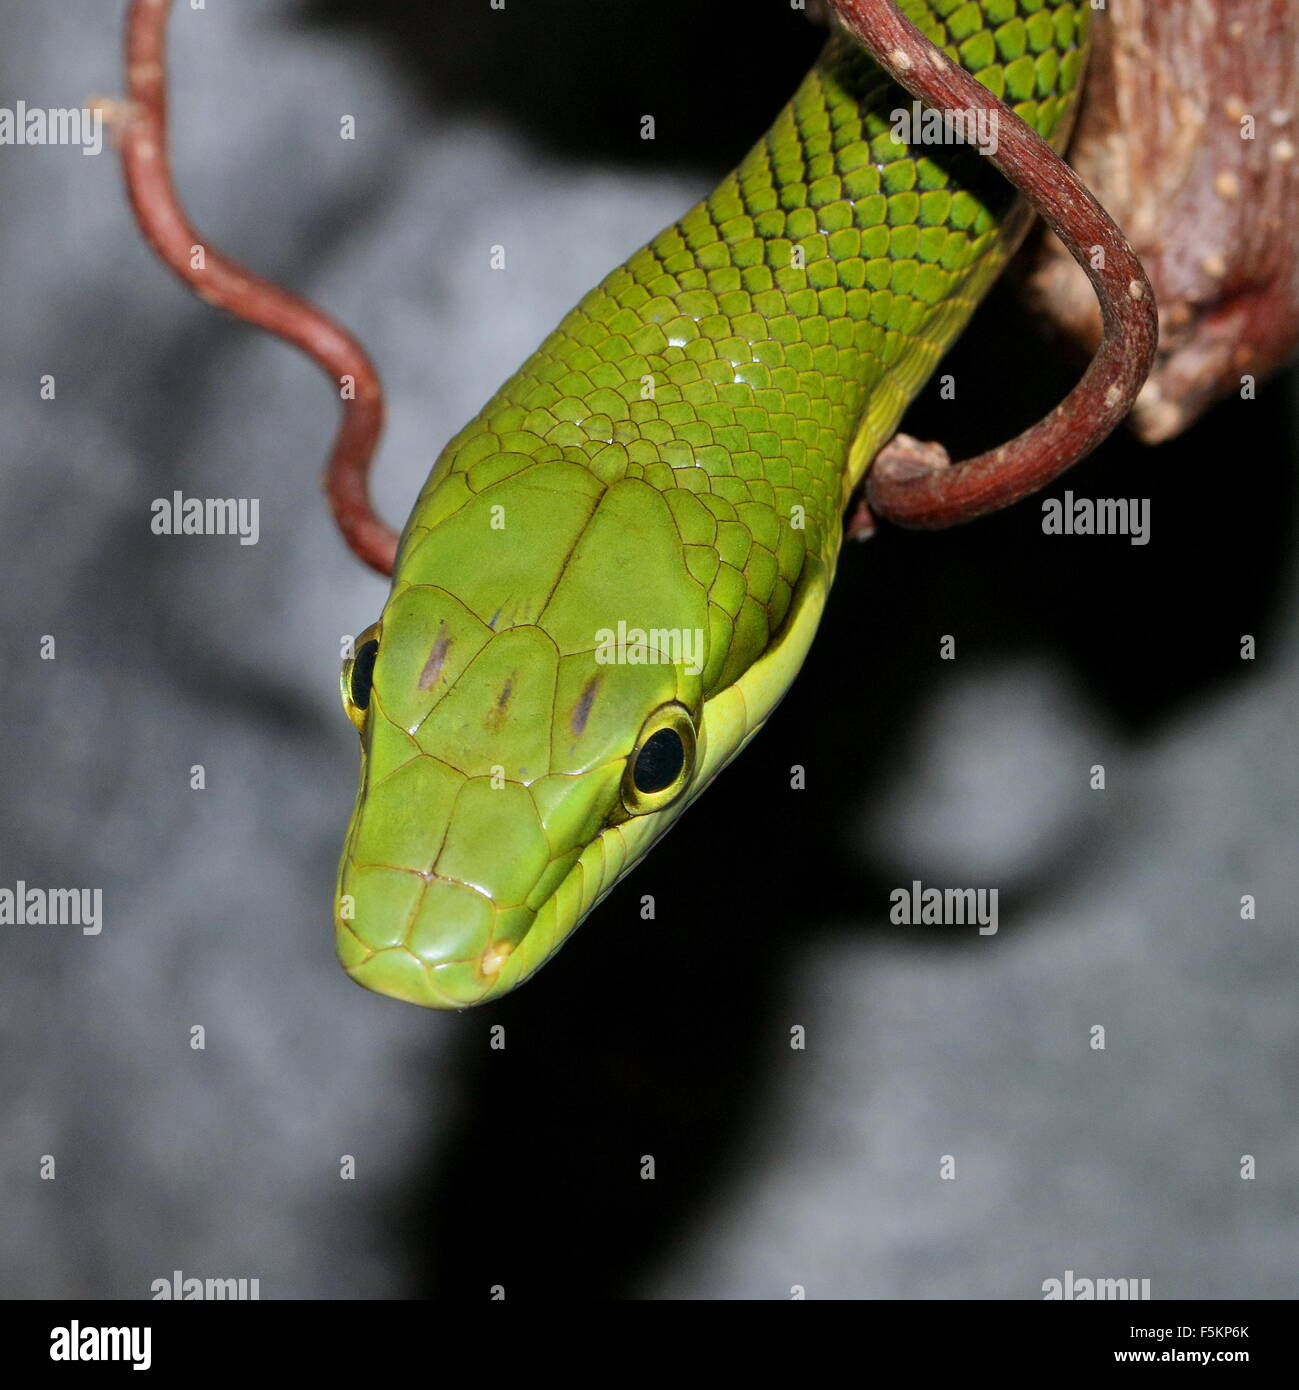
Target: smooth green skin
(489, 819)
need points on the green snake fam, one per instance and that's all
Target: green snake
(616, 568)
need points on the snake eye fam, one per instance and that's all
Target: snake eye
(661, 764)
(357, 680)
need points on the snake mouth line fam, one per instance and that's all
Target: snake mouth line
(401, 973)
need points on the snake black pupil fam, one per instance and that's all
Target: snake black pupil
(363, 675)
(659, 762)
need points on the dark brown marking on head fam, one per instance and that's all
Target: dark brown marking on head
(582, 710)
(437, 658)
(496, 715)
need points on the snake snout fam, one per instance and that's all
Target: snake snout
(442, 945)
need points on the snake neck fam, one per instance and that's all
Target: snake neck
(750, 360)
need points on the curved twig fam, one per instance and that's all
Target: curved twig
(916, 485)
(224, 283)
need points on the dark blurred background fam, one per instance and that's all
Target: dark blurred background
(775, 1167)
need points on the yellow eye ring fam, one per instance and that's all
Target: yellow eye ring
(662, 762)
(356, 680)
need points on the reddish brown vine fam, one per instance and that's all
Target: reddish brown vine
(220, 281)
(917, 485)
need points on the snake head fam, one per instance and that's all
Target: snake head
(530, 724)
